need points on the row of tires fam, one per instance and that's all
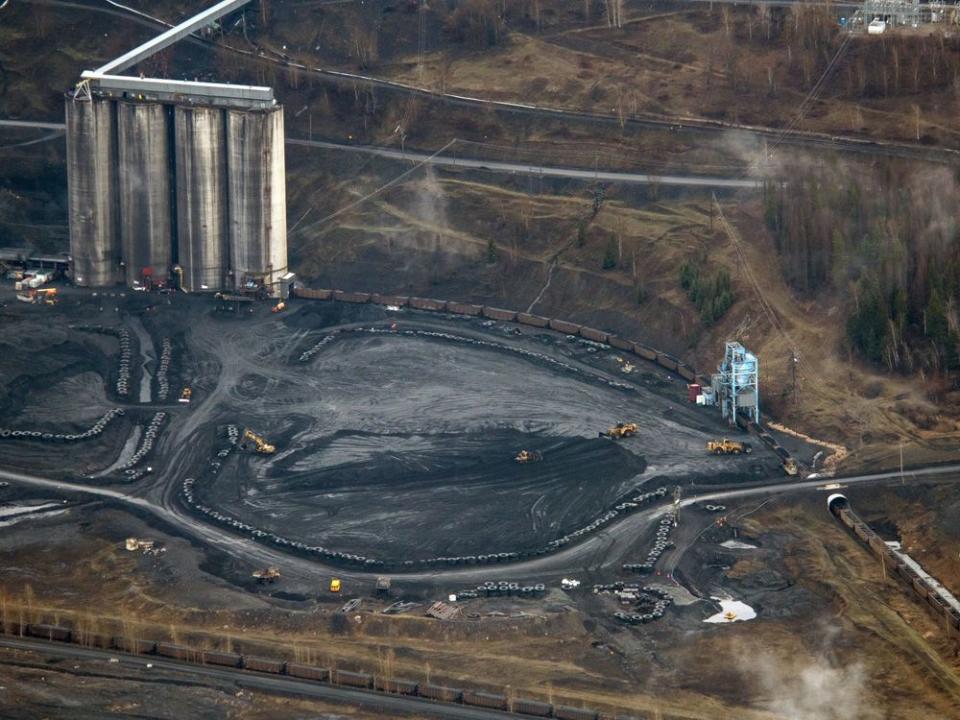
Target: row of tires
(93, 431)
(190, 497)
(163, 381)
(896, 566)
(146, 445)
(503, 588)
(456, 308)
(660, 545)
(361, 680)
(123, 367)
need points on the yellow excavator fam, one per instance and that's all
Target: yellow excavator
(263, 447)
(525, 456)
(267, 575)
(621, 430)
(727, 447)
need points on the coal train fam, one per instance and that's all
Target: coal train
(360, 680)
(839, 506)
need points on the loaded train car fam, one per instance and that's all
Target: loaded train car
(440, 693)
(838, 505)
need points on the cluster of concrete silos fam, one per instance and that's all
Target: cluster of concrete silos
(156, 185)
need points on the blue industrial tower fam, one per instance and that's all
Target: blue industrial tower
(738, 383)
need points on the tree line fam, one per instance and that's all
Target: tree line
(887, 239)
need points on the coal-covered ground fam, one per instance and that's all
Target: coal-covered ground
(393, 443)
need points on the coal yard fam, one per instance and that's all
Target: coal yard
(361, 436)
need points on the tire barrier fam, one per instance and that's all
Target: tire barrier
(660, 544)
(924, 588)
(123, 365)
(307, 355)
(93, 431)
(503, 588)
(189, 494)
(146, 445)
(163, 384)
(653, 601)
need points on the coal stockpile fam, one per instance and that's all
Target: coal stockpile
(467, 488)
(398, 432)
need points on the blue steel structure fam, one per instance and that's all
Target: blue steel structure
(738, 383)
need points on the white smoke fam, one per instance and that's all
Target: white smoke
(821, 690)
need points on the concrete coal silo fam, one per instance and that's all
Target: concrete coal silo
(92, 191)
(257, 196)
(143, 132)
(201, 181)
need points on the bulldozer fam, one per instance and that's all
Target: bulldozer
(621, 430)
(262, 446)
(267, 575)
(790, 466)
(728, 447)
(525, 456)
(186, 395)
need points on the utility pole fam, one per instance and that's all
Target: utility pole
(793, 372)
(902, 480)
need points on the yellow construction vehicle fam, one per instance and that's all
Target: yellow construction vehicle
(279, 307)
(621, 430)
(267, 575)
(525, 456)
(727, 447)
(263, 447)
(335, 585)
(790, 466)
(186, 395)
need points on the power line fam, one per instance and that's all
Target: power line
(386, 185)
